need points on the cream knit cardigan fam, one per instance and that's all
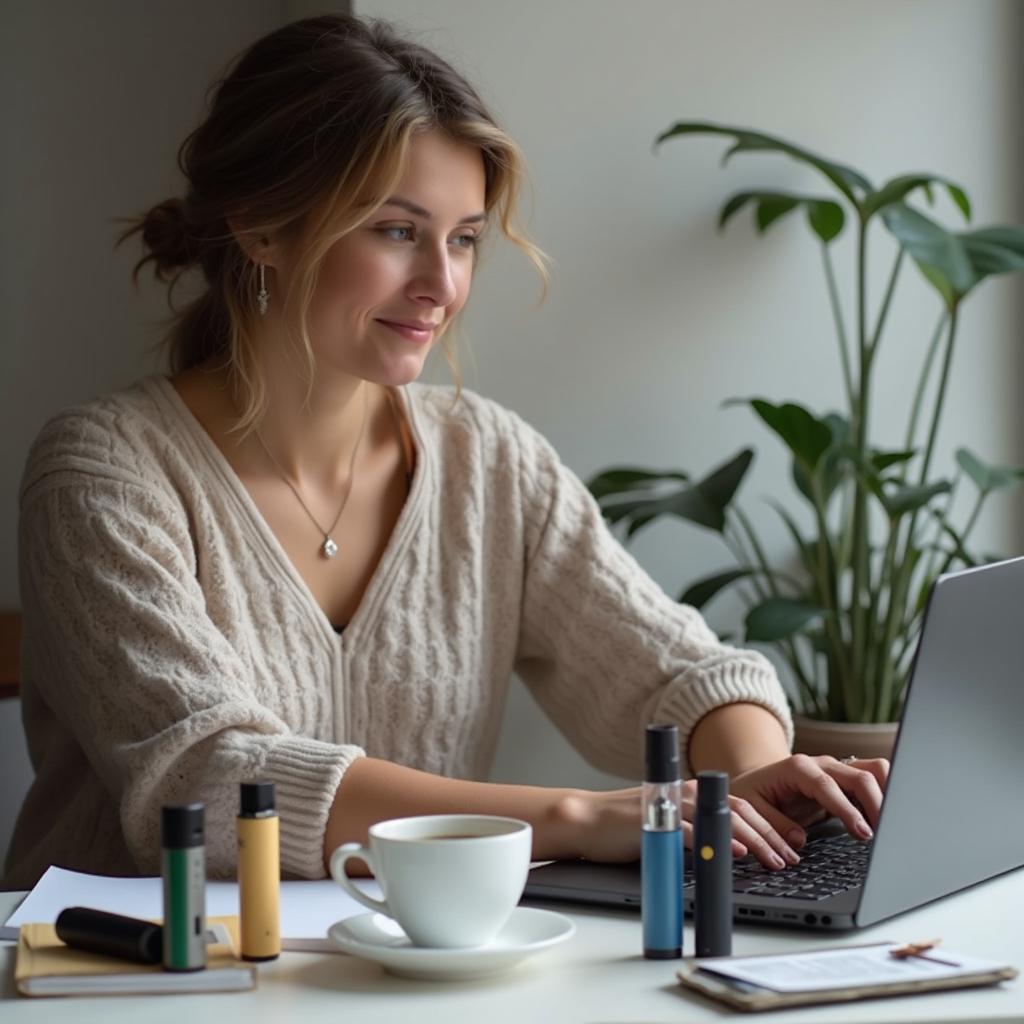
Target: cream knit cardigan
(172, 650)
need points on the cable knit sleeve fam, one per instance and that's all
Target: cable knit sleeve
(602, 648)
(125, 657)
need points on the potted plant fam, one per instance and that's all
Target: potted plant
(845, 611)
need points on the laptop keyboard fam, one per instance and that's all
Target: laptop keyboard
(828, 866)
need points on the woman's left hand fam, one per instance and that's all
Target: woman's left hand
(800, 790)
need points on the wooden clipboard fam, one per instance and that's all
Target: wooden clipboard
(696, 976)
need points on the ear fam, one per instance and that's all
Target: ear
(257, 248)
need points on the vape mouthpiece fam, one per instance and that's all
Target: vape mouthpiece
(662, 753)
(712, 790)
(257, 798)
(181, 825)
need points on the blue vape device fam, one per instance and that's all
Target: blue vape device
(661, 851)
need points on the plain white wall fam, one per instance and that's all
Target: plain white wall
(654, 319)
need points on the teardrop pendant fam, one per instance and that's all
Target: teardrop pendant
(330, 549)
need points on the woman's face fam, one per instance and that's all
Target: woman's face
(411, 262)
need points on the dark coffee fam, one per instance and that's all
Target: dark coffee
(467, 835)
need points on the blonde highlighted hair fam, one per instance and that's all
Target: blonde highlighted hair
(307, 134)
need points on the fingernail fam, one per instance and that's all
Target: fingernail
(791, 855)
(863, 829)
(796, 838)
(777, 862)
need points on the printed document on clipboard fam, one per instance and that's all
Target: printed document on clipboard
(836, 974)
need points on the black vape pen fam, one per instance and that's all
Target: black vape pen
(661, 848)
(99, 931)
(712, 866)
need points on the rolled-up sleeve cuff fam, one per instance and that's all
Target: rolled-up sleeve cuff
(737, 681)
(306, 774)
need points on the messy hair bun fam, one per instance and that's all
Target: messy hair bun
(166, 234)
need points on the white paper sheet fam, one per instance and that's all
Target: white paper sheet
(850, 967)
(308, 909)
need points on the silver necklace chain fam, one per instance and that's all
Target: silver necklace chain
(329, 548)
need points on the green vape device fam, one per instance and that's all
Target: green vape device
(184, 874)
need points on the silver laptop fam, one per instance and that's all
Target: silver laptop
(953, 813)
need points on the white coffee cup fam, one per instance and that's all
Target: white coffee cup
(450, 880)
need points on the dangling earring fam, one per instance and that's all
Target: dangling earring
(263, 295)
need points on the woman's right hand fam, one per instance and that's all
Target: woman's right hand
(606, 826)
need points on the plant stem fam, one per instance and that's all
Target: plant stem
(909, 560)
(742, 556)
(982, 495)
(897, 603)
(860, 510)
(940, 397)
(837, 316)
(876, 652)
(829, 592)
(926, 369)
(792, 655)
(933, 555)
(886, 301)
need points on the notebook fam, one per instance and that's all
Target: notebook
(45, 966)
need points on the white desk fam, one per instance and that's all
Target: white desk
(597, 977)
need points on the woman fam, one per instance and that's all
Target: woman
(292, 560)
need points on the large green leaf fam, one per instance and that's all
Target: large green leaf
(884, 460)
(832, 469)
(779, 617)
(939, 253)
(988, 478)
(825, 217)
(698, 594)
(899, 188)
(846, 179)
(806, 436)
(902, 500)
(629, 479)
(955, 262)
(994, 250)
(703, 503)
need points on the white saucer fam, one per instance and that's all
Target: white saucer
(380, 939)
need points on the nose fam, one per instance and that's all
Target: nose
(432, 281)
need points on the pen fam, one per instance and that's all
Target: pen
(917, 950)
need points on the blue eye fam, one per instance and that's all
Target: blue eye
(471, 240)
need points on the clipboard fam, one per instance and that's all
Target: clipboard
(744, 994)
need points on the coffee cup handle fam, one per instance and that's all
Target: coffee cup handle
(339, 858)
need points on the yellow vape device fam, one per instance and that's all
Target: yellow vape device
(259, 873)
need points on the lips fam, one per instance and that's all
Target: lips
(416, 325)
(414, 332)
